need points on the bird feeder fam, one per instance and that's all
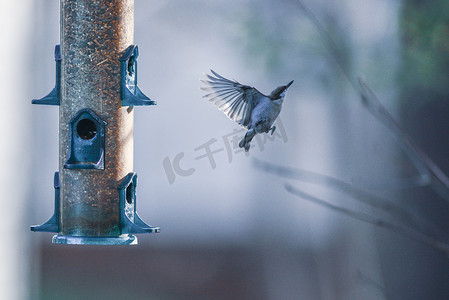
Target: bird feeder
(96, 90)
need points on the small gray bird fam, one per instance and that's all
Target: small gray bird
(247, 106)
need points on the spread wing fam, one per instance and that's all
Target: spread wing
(234, 99)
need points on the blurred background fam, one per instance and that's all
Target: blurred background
(230, 229)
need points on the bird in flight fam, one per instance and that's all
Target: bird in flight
(245, 105)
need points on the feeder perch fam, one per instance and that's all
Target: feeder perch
(130, 91)
(53, 97)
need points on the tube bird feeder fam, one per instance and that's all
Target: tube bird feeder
(96, 90)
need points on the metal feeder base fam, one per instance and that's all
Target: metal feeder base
(125, 239)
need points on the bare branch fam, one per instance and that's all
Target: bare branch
(429, 172)
(410, 233)
(372, 283)
(328, 41)
(351, 190)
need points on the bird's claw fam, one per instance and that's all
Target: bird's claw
(272, 129)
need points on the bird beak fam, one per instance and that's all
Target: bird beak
(289, 84)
